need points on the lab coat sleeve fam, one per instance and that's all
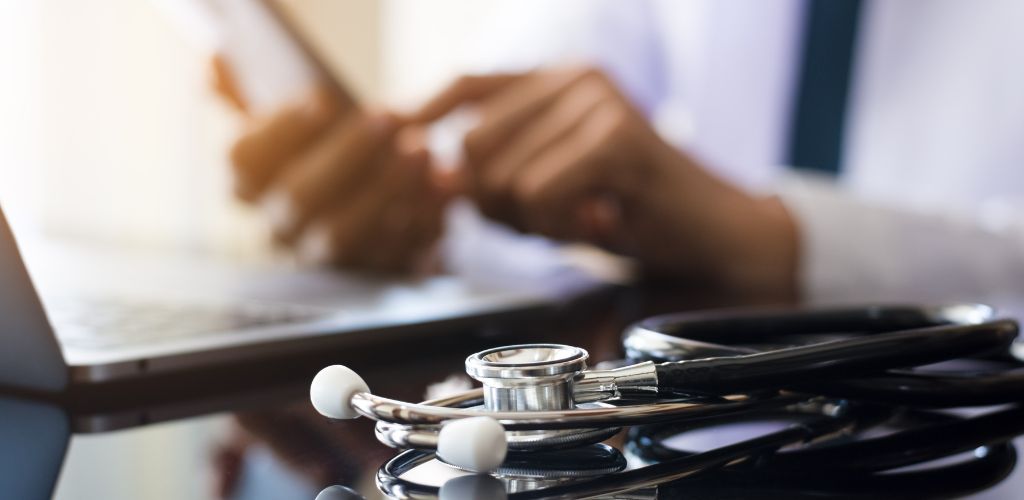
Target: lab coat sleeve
(858, 250)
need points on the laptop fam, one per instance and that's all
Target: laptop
(108, 316)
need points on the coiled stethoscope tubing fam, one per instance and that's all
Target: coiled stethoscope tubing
(540, 387)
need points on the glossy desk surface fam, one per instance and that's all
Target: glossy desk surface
(250, 432)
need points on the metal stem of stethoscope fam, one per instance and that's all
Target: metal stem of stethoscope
(389, 410)
(528, 388)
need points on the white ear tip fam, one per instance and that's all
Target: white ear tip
(332, 389)
(475, 444)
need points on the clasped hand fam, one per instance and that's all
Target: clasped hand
(558, 152)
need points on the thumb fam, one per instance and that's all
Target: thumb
(465, 89)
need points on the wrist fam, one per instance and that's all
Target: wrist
(764, 260)
(724, 237)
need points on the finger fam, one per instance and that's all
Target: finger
(422, 256)
(465, 89)
(431, 191)
(428, 231)
(225, 85)
(564, 176)
(403, 247)
(342, 235)
(396, 232)
(511, 109)
(391, 237)
(259, 155)
(410, 225)
(336, 167)
(494, 181)
(399, 233)
(423, 249)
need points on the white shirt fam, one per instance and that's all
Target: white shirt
(929, 203)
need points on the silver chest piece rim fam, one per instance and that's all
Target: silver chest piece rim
(534, 377)
(528, 377)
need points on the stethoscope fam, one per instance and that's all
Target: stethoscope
(539, 397)
(917, 454)
(894, 452)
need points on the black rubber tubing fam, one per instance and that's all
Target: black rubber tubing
(834, 359)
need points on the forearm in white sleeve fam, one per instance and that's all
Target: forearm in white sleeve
(855, 250)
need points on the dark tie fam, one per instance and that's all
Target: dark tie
(819, 113)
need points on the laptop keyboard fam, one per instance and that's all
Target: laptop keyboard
(112, 322)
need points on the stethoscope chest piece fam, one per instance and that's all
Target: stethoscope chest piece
(534, 377)
(531, 377)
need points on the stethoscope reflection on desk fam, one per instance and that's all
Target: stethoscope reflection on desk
(541, 397)
(880, 453)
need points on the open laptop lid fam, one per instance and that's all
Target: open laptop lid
(30, 356)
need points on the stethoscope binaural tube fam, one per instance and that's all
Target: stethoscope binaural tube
(729, 333)
(846, 357)
(986, 385)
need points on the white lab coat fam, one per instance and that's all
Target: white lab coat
(928, 206)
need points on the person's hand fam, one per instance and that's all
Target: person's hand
(343, 186)
(564, 154)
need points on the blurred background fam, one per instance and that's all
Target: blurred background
(110, 134)
(109, 130)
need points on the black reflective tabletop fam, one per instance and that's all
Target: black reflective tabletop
(250, 433)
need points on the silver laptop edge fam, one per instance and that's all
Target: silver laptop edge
(31, 357)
